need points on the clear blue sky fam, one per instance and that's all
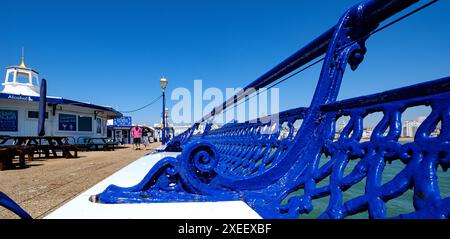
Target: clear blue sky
(105, 52)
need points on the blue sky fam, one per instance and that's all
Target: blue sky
(114, 52)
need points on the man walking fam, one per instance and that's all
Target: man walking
(136, 133)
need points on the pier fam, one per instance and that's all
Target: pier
(379, 154)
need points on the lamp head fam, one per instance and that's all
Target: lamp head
(163, 82)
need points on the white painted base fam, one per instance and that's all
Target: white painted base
(81, 208)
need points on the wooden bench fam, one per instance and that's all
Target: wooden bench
(111, 145)
(95, 143)
(53, 149)
(66, 149)
(82, 143)
(6, 158)
(8, 153)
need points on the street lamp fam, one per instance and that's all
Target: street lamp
(163, 82)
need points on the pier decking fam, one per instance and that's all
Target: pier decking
(47, 184)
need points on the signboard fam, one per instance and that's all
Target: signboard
(18, 97)
(124, 121)
(67, 122)
(8, 120)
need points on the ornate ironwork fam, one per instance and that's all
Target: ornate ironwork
(278, 174)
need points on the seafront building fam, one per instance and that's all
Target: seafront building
(409, 129)
(19, 104)
(119, 130)
(178, 129)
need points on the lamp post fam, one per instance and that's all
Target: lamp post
(163, 82)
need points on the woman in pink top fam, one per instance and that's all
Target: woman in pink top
(136, 133)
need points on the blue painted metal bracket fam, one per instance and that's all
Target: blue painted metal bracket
(8, 203)
(276, 167)
(185, 178)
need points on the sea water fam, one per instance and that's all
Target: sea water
(394, 207)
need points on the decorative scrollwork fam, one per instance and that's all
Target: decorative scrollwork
(280, 171)
(200, 160)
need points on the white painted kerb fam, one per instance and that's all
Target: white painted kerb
(81, 208)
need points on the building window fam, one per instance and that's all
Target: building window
(35, 115)
(23, 77)
(10, 77)
(9, 120)
(67, 122)
(85, 123)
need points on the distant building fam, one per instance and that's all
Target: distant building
(178, 129)
(284, 132)
(367, 132)
(119, 129)
(19, 105)
(158, 131)
(409, 128)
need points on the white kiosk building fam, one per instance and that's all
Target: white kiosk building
(19, 105)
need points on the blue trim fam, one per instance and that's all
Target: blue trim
(59, 101)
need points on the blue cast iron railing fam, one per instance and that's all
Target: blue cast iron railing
(175, 144)
(280, 170)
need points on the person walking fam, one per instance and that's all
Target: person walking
(136, 133)
(145, 138)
